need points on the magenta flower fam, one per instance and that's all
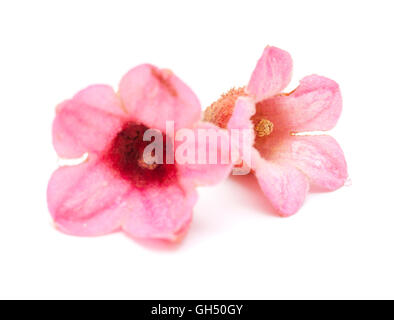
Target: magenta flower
(114, 189)
(286, 163)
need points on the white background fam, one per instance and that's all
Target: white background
(339, 245)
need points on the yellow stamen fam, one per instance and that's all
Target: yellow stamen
(221, 110)
(263, 128)
(145, 165)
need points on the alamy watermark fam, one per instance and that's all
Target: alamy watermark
(200, 146)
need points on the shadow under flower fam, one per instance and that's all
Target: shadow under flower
(157, 244)
(253, 197)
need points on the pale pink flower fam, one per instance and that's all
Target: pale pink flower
(285, 164)
(114, 189)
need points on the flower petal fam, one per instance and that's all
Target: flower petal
(206, 173)
(272, 73)
(244, 109)
(154, 96)
(87, 122)
(84, 199)
(284, 185)
(159, 212)
(241, 121)
(315, 105)
(320, 157)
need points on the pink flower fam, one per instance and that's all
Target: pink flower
(113, 189)
(286, 164)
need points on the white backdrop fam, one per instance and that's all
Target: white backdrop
(339, 245)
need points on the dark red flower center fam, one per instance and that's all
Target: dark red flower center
(126, 156)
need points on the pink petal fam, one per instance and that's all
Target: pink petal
(244, 109)
(90, 199)
(314, 106)
(284, 186)
(272, 73)
(240, 120)
(161, 212)
(152, 96)
(320, 157)
(84, 199)
(206, 173)
(87, 122)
